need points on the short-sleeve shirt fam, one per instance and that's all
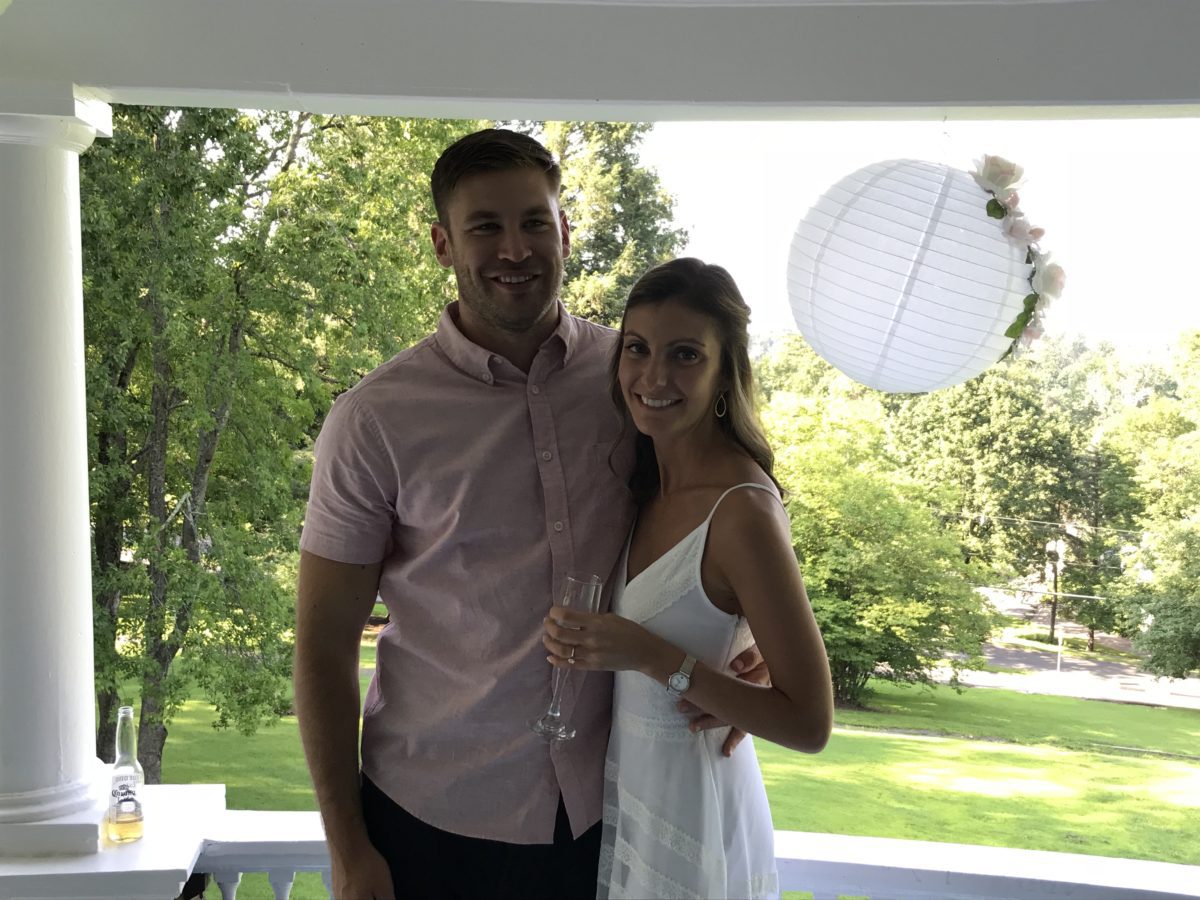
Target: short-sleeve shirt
(479, 488)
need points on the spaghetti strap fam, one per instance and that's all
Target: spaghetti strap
(744, 484)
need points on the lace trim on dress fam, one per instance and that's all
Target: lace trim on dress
(684, 573)
(763, 885)
(665, 832)
(673, 729)
(660, 885)
(642, 605)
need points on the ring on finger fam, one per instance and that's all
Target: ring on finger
(571, 658)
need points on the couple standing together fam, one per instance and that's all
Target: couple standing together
(460, 482)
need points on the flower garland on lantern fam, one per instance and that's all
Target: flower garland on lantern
(1001, 178)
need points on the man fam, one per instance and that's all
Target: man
(461, 481)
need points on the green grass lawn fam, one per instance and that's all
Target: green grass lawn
(982, 767)
(1010, 795)
(991, 714)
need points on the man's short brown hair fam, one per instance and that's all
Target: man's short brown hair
(489, 150)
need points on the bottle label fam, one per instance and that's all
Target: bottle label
(124, 795)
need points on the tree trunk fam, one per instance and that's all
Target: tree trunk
(151, 731)
(106, 724)
(1091, 638)
(109, 529)
(152, 737)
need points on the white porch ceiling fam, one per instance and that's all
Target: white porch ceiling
(621, 59)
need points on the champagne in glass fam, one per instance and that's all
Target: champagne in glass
(582, 593)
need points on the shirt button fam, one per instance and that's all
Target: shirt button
(535, 390)
(486, 377)
(558, 526)
(546, 454)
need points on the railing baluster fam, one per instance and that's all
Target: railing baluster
(281, 882)
(228, 883)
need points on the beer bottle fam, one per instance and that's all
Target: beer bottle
(125, 820)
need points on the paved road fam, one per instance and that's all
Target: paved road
(1085, 678)
(1093, 679)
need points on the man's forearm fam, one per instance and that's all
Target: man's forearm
(327, 705)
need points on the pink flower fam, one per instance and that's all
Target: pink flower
(1010, 199)
(1049, 279)
(1030, 334)
(1018, 228)
(995, 174)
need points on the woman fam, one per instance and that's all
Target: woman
(709, 560)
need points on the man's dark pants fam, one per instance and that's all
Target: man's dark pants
(427, 862)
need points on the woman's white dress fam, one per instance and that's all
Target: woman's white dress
(680, 819)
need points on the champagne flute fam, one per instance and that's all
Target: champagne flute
(582, 593)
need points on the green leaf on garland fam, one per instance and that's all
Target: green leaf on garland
(1015, 329)
(1030, 302)
(1029, 257)
(996, 209)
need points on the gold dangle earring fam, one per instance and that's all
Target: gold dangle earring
(721, 406)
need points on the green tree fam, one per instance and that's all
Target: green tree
(167, 311)
(1162, 586)
(887, 580)
(1007, 455)
(1109, 505)
(1168, 605)
(621, 218)
(240, 269)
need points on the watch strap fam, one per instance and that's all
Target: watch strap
(683, 673)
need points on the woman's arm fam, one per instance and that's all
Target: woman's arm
(750, 554)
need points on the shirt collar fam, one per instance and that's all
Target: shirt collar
(477, 361)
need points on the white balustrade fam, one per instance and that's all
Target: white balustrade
(277, 843)
(828, 865)
(188, 830)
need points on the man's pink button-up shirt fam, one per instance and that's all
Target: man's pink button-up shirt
(479, 488)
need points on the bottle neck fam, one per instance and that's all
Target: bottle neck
(126, 741)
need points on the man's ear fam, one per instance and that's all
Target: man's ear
(565, 227)
(441, 244)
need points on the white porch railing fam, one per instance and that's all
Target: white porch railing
(189, 830)
(281, 844)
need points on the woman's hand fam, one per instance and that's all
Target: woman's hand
(589, 641)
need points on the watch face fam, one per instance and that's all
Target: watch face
(679, 682)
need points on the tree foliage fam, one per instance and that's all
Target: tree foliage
(240, 270)
(1007, 457)
(887, 580)
(1162, 586)
(621, 219)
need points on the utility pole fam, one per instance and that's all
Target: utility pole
(1052, 555)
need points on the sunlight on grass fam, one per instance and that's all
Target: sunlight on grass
(1182, 789)
(948, 780)
(1028, 719)
(956, 790)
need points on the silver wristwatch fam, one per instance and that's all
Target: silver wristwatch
(679, 682)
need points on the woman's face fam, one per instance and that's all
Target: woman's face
(670, 369)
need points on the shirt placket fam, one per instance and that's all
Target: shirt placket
(548, 458)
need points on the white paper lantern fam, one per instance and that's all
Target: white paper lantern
(898, 277)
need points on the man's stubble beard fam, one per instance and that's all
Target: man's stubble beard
(474, 294)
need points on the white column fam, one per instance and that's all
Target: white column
(48, 769)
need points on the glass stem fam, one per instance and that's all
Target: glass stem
(560, 679)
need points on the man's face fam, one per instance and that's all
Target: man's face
(505, 238)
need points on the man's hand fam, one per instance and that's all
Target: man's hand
(748, 666)
(361, 875)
